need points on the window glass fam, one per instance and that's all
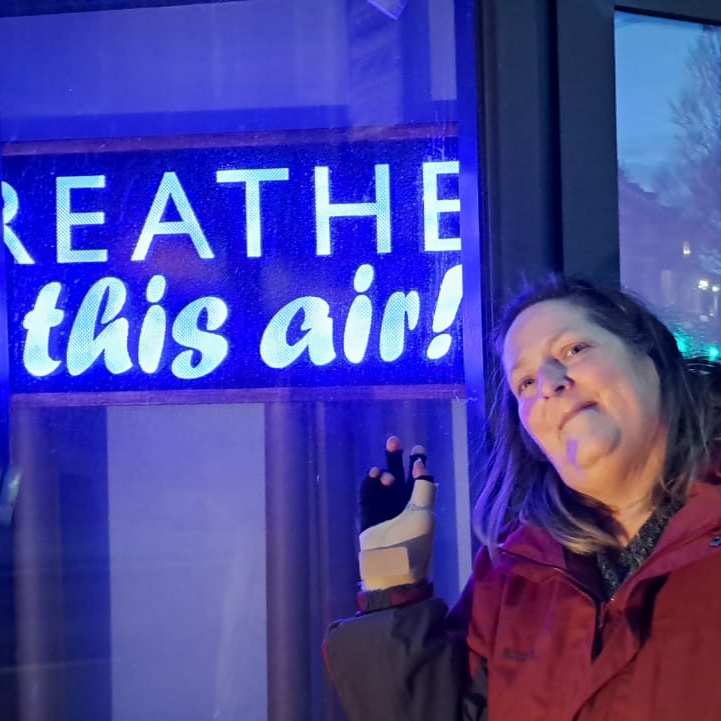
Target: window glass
(668, 81)
(234, 267)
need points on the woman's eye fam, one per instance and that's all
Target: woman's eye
(524, 385)
(575, 349)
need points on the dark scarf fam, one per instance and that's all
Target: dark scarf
(616, 565)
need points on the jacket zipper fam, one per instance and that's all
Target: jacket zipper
(601, 616)
(602, 607)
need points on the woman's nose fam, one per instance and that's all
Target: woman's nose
(552, 378)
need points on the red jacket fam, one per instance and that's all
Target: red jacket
(535, 622)
(542, 645)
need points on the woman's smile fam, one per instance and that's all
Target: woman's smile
(574, 412)
(591, 404)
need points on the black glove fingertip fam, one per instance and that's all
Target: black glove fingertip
(394, 463)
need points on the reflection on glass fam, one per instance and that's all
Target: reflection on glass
(668, 80)
(235, 268)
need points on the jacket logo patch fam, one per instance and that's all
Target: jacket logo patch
(512, 654)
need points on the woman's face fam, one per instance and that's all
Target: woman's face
(589, 402)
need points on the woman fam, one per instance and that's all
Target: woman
(597, 593)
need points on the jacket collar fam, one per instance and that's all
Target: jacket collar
(531, 552)
(699, 517)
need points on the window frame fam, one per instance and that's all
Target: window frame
(18, 8)
(694, 10)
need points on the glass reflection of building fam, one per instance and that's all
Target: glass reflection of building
(669, 155)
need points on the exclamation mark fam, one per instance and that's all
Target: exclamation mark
(449, 300)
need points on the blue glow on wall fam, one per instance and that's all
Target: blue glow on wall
(296, 265)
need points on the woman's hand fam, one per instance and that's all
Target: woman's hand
(397, 520)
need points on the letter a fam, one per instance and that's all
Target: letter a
(170, 187)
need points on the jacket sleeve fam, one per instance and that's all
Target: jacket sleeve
(407, 663)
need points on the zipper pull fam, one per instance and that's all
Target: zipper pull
(602, 610)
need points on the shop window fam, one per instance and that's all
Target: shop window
(234, 267)
(668, 76)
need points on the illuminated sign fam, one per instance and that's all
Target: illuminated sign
(241, 267)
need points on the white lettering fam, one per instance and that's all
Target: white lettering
(11, 205)
(325, 210)
(84, 346)
(152, 331)
(360, 317)
(449, 300)
(170, 188)
(433, 206)
(38, 322)
(275, 349)
(207, 350)
(66, 219)
(400, 306)
(252, 178)
(100, 330)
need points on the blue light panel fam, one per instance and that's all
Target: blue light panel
(296, 265)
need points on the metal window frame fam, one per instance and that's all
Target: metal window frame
(547, 135)
(695, 10)
(17, 8)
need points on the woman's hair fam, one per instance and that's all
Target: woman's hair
(523, 487)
